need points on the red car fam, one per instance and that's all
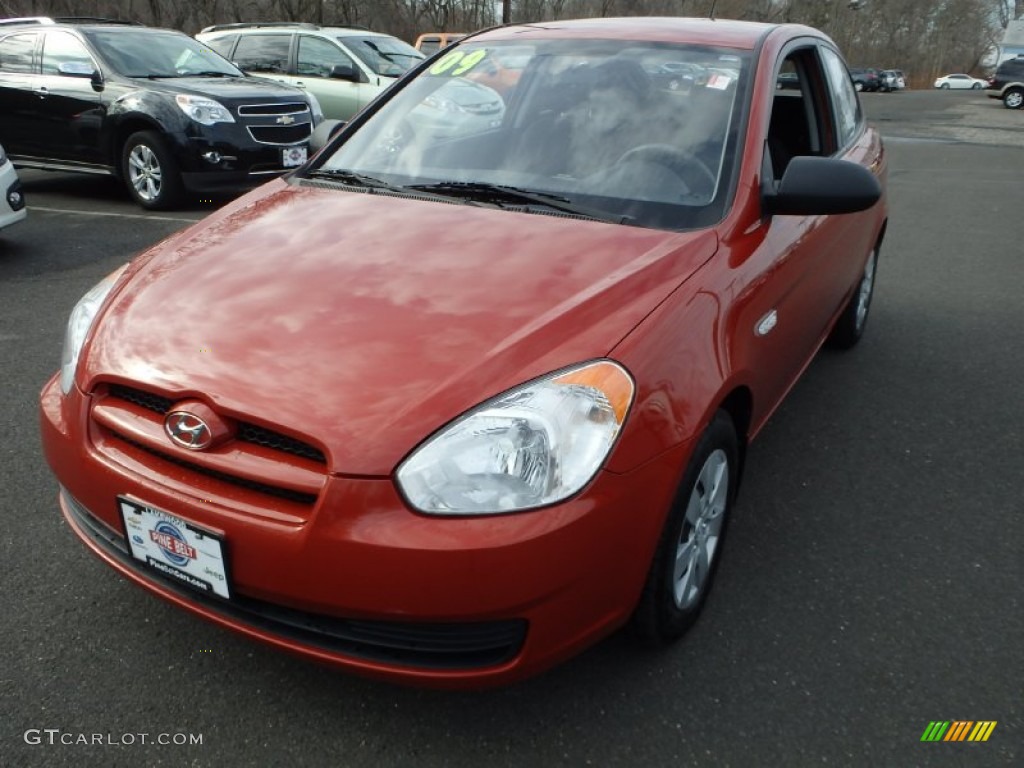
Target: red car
(448, 410)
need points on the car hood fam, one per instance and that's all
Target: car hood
(225, 88)
(363, 322)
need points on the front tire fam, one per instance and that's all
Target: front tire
(944, 86)
(1013, 99)
(150, 171)
(687, 556)
(850, 326)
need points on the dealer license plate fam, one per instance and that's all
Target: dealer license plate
(292, 157)
(175, 548)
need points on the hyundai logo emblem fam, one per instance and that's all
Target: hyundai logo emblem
(188, 430)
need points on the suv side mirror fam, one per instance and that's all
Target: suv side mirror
(344, 72)
(818, 186)
(77, 69)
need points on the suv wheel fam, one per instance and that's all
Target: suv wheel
(1013, 98)
(150, 171)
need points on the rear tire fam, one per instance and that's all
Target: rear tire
(150, 171)
(850, 325)
(690, 546)
(976, 87)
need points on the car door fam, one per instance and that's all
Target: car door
(793, 276)
(19, 103)
(315, 61)
(70, 89)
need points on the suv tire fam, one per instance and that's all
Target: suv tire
(150, 172)
(1014, 98)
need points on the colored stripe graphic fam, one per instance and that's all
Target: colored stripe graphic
(982, 730)
(958, 730)
(935, 730)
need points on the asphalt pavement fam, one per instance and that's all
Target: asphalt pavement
(871, 583)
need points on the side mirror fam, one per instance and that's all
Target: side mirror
(77, 69)
(323, 134)
(817, 186)
(344, 72)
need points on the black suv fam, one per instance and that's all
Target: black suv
(865, 78)
(150, 106)
(1008, 83)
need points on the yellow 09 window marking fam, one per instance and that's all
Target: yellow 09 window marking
(458, 63)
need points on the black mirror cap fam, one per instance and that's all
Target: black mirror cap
(323, 134)
(344, 72)
(818, 186)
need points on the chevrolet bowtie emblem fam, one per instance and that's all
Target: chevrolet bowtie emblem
(285, 120)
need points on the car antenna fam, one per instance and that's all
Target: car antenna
(711, 13)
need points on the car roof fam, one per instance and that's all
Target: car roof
(730, 34)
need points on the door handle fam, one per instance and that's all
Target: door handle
(299, 84)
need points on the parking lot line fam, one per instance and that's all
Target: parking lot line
(44, 209)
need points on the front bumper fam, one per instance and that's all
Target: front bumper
(366, 584)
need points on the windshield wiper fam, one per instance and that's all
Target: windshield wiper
(501, 194)
(353, 179)
(371, 183)
(209, 73)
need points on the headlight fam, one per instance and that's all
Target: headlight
(534, 445)
(3, 156)
(204, 111)
(78, 326)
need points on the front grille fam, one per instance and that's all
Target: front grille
(450, 645)
(264, 110)
(250, 433)
(252, 485)
(280, 134)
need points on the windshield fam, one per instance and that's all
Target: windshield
(149, 53)
(645, 133)
(387, 56)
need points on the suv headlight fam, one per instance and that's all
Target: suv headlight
(535, 445)
(203, 110)
(3, 156)
(79, 324)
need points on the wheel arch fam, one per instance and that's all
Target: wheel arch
(739, 405)
(126, 128)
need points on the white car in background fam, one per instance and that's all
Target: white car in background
(12, 208)
(960, 81)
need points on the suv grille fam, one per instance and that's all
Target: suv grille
(278, 124)
(279, 134)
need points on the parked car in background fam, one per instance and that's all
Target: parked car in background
(345, 68)
(432, 42)
(447, 406)
(152, 107)
(865, 78)
(891, 80)
(1007, 83)
(960, 81)
(12, 207)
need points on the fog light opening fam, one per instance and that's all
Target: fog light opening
(213, 157)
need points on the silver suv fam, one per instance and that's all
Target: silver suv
(343, 67)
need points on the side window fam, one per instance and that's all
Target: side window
(318, 57)
(16, 53)
(845, 97)
(222, 45)
(61, 48)
(799, 123)
(263, 53)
